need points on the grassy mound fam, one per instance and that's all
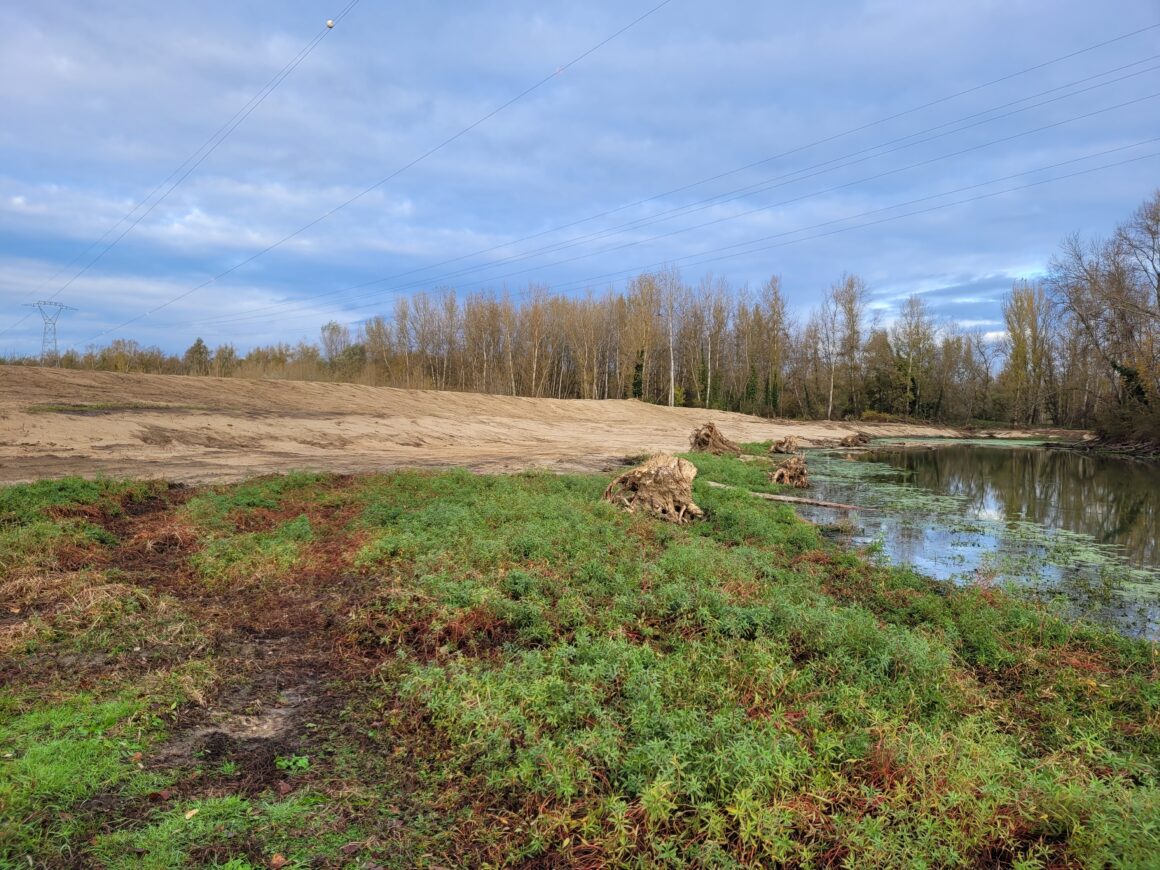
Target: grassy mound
(448, 669)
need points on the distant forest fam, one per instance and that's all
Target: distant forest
(1082, 347)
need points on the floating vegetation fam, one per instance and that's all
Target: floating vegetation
(1073, 530)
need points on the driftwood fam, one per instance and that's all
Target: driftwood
(858, 439)
(663, 486)
(792, 472)
(768, 496)
(788, 444)
(708, 439)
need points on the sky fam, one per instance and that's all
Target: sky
(938, 148)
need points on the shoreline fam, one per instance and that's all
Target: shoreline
(1144, 450)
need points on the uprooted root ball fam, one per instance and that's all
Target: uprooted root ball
(788, 444)
(792, 472)
(663, 486)
(708, 439)
(858, 439)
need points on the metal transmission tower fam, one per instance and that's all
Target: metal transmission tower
(50, 311)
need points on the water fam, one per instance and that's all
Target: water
(1082, 531)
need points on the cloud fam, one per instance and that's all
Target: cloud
(105, 301)
(103, 102)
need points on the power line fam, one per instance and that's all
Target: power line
(450, 139)
(699, 205)
(761, 241)
(769, 159)
(204, 150)
(823, 140)
(842, 162)
(517, 258)
(842, 186)
(585, 282)
(794, 150)
(765, 247)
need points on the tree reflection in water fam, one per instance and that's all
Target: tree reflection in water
(1055, 521)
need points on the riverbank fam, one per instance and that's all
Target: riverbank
(1137, 448)
(420, 669)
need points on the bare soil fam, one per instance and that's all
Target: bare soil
(56, 423)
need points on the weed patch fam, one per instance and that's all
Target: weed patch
(414, 669)
(253, 558)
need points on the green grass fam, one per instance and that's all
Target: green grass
(53, 757)
(28, 503)
(251, 559)
(107, 407)
(527, 673)
(718, 691)
(217, 508)
(220, 830)
(752, 474)
(38, 519)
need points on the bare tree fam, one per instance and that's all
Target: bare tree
(850, 299)
(914, 337)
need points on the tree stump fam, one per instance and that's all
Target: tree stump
(788, 444)
(662, 486)
(708, 439)
(792, 472)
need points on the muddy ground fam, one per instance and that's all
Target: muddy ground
(55, 423)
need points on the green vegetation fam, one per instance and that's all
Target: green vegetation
(41, 520)
(253, 558)
(219, 509)
(106, 407)
(212, 831)
(55, 756)
(489, 670)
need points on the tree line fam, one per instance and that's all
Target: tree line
(1081, 346)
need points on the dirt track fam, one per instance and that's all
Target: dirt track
(213, 429)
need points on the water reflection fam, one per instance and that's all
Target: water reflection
(1057, 522)
(1116, 501)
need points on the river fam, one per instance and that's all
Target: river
(1081, 531)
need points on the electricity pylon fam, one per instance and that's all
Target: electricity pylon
(50, 311)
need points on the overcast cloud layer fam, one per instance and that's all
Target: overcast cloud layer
(102, 101)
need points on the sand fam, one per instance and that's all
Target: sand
(199, 430)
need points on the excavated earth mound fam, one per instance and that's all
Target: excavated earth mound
(59, 422)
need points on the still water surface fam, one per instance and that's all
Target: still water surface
(1083, 531)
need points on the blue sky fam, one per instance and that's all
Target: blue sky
(101, 101)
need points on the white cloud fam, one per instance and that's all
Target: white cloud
(974, 324)
(102, 102)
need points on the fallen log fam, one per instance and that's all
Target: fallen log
(792, 499)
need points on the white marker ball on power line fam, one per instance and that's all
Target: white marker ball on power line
(330, 22)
